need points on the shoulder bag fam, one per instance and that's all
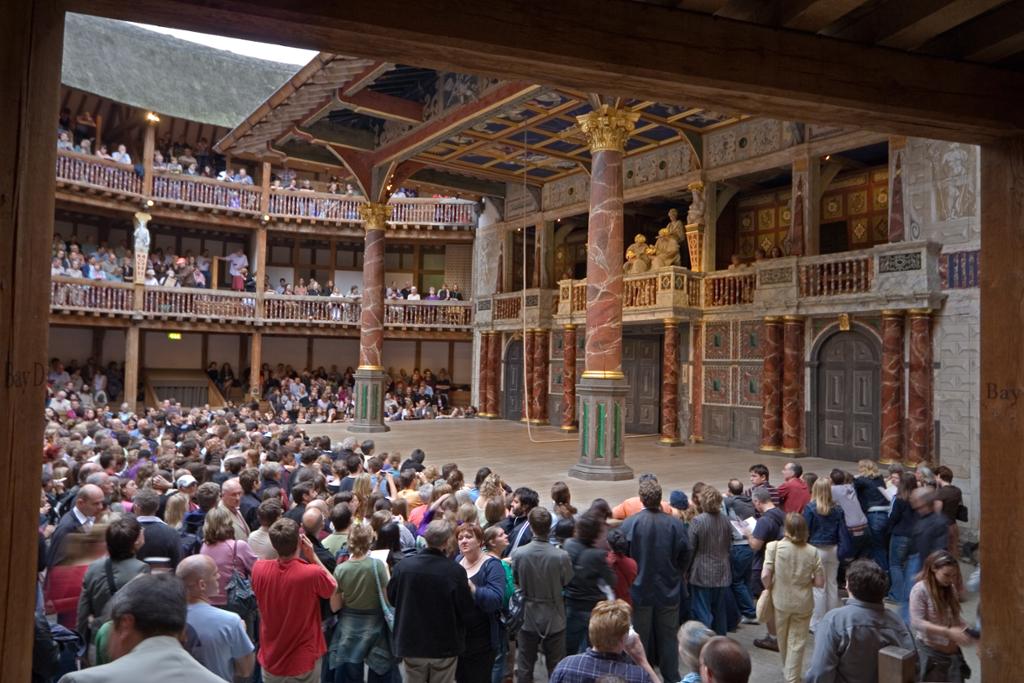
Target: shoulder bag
(241, 598)
(387, 609)
(765, 607)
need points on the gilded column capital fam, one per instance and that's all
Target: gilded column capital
(608, 128)
(375, 215)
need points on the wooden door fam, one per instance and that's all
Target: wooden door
(512, 389)
(641, 363)
(848, 421)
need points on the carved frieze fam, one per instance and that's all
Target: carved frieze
(899, 263)
(775, 276)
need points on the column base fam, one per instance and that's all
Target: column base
(569, 429)
(602, 426)
(539, 422)
(369, 393)
(668, 442)
(795, 452)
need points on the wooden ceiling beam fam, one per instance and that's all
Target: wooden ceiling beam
(366, 77)
(932, 24)
(988, 38)
(907, 24)
(814, 15)
(381, 106)
(633, 49)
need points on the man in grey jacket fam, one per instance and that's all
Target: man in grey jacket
(541, 570)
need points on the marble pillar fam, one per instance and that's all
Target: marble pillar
(793, 385)
(919, 394)
(529, 344)
(771, 385)
(670, 385)
(493, 374)
(370, 376)
(569, 378)
(897, 217)
(891, 448)
(602, 389)
(539, 390)
(483, 373)
(697, 385)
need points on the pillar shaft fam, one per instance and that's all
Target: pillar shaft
(919, 395)
(483, 370)
(131, 366)
(569, 378)
(369, 375)
(793, 384)
(697, 385)
(771, 386)
(541, 344)
(493, 373)
(255, 361)
(891, 450)
(670, 385)
(529, 342)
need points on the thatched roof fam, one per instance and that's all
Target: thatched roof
(175, 77)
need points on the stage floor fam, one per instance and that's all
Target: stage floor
(506, 448)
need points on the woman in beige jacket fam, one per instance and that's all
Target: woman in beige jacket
(792, 569)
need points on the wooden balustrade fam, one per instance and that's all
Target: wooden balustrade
(729, 290)
(90, 295)
(206, 192)
(507, 307)
(693, 289)
(314, 205)
(579, 296)
(640, 291)
(188, 302)
(327, 309)
(94, 172)
(431, 211)
(440, 314)
(851, 275)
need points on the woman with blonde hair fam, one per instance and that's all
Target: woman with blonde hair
(792, 571)
(175, 510)
(362, 489)
(490, 489)
(870, 486)
(825, 522)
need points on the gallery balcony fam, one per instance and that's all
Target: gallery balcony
(86, 177)
(88, 301)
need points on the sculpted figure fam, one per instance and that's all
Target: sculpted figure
(696, 211)
(666, 250)
(637, 257)
(675, 226)
(141, 235)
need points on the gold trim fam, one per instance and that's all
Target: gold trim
(773, 319)
(569, 428)
(602, 374)
(371, 367)
(375, 215)
(538, 422)
(790, 451)
(919, 312)
(793, 318)
(669, 322)
(893, 313)
(769, 447)
(888, 462)
(608, 128)
(668, 440)
(569, 327)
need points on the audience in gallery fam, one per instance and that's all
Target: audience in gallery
(265, 501)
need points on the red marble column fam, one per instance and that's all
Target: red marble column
(697, 386)
(484, 381)
(793, 384)
(369, 376)
(541, 343)
(891, 449)
(771, 385)
(670, 385)
(529, 342)
(569, 378)
(919, 398)
(494, 374)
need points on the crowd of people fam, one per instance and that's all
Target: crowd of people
(262, 551)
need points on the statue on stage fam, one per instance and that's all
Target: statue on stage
(141, 245)
(666, 249)
(695, 214)
(638, 256)
(675, 226)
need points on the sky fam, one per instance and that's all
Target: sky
(268, 51)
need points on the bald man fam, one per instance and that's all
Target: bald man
(312, 525)
(231, 500)
(89, 503)
(216, 638)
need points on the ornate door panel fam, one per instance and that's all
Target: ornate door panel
(641, 363)
(848, 398)
(512, 389)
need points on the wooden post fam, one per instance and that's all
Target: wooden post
(260, 266)
(149, 146)
(30, 61)
(131, 366)
(265, 188)
(896, 665)
(255, 360)
(1002, 414)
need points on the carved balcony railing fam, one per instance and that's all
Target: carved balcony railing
(507, 306)
(432, 211)
(640, 291)
(729, 289)
(94, 174)
(188, 303)
(205, 193)
(828, 276)
(81, 296)
(579, 296)
(291, 204)
(94, 296)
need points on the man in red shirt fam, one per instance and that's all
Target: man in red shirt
(793, 493)
(288, 592)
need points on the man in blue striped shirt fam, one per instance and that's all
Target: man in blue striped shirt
(614, 650)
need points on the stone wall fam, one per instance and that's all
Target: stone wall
(943, 190)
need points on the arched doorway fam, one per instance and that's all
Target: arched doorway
(512, 387)
(847, 397)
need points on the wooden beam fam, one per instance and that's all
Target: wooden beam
(990, 38)
(907, 24)
(30, 61)
(367, 76)
(382, 106)
(635, 50)
(930, 24)
(1002, 415)
(814, 15)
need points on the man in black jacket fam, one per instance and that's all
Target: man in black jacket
(161, 539)
(432, 603)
